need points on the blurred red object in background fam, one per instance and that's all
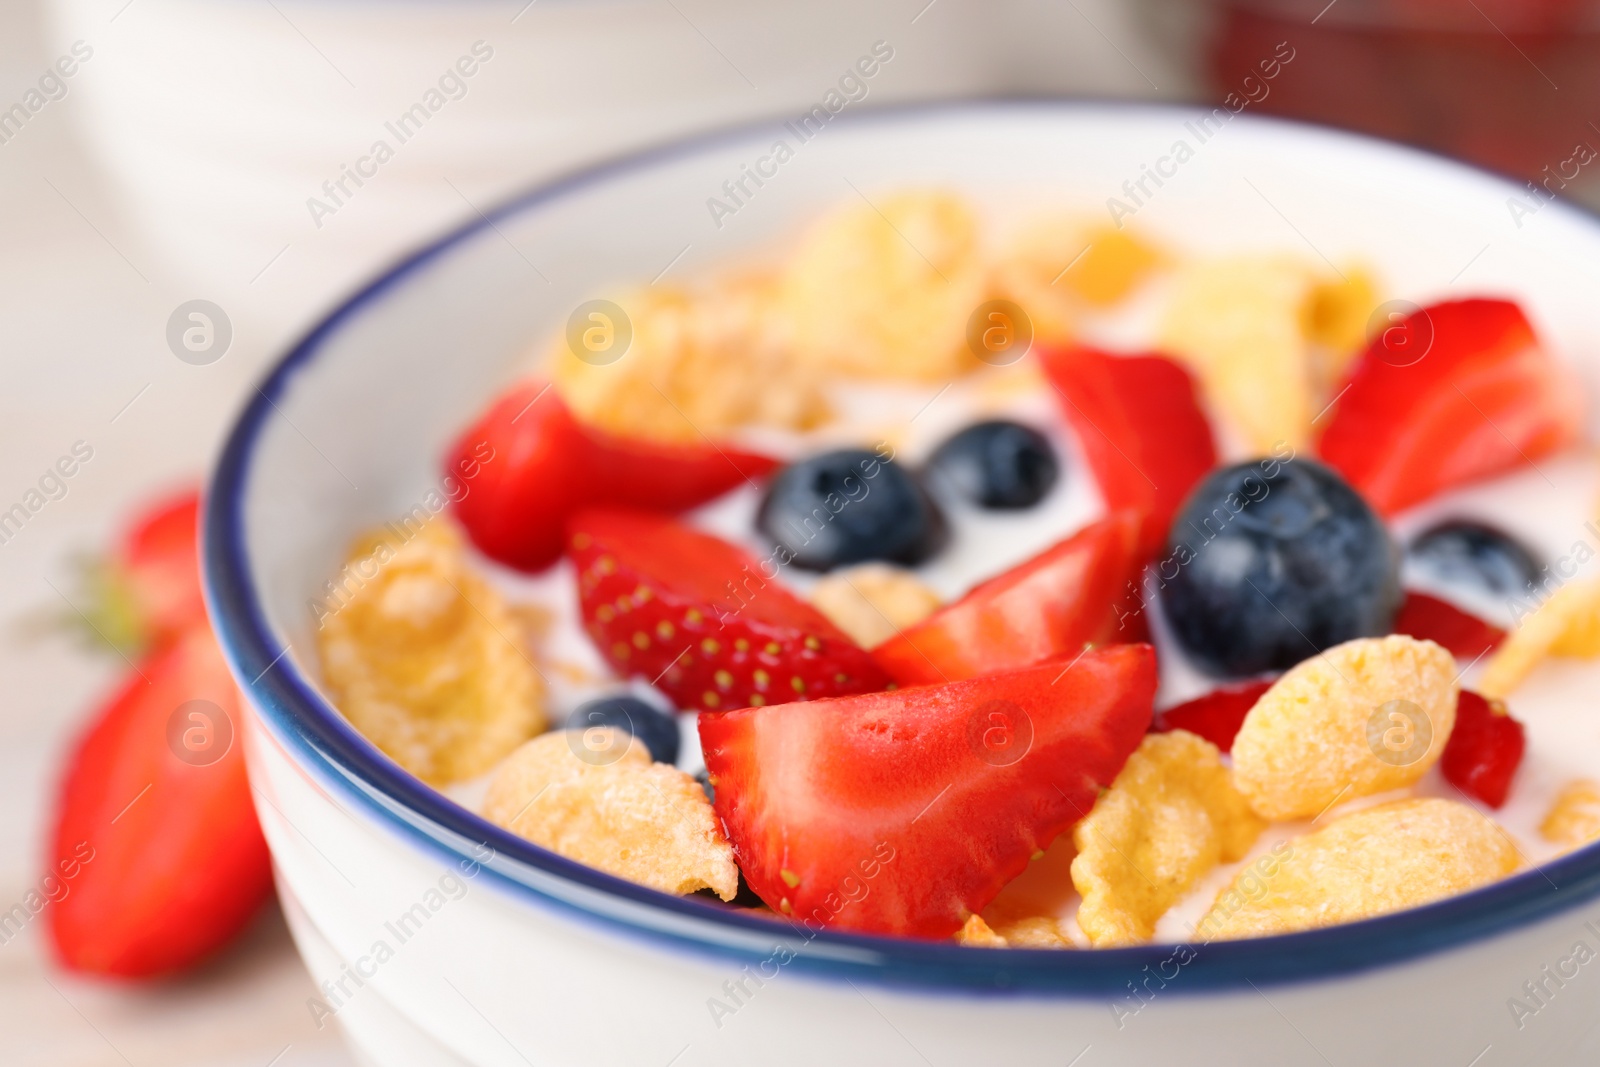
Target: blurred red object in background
(1509, 84)
(158, 860)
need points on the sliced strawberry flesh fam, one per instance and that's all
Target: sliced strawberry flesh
(903, 812)
(527, 465)
(1428, 618)
(1455, 392)
(1484, 749)
(1073, 593)
(702, 619)
(1141, 428)
(1216, 716)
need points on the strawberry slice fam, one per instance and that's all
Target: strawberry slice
(1141, 429)
(527, 465)
(1453, 393)
(702, 618)
(156, 841)
(1430, 619)
(1073, 593)
(1484, 749)
(904, 812)
(1216, 716)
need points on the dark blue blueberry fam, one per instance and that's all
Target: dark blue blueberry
(657, 730)
(1473, 556)
(1272, 561)
(996, 464)
(847, 507)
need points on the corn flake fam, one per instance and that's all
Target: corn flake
(1574, 818)
(702, 363)
(1265, 335)
(1058, 264)
(885, 289)
(1566, 624)
(613, 809)
(425, 658)
(1171, 815)
(1335, 318)
(1378, 860)
(873, 602)
(1363, 717)
(1037, 931)
(975, 933)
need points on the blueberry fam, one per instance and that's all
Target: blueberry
(847, 507)
(1472, 555)
(657, 730)
(996, 464)
(1272, 561)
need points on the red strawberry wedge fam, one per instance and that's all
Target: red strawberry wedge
(1485, 749)
(1051, 605)
(1216, 716)
(904, 812)
(696, 616)
(1430, 619)
(1452, 393)
(527, 465)
(1141, 429)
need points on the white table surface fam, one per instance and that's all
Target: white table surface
(81, 333)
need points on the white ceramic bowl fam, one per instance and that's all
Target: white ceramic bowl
(527, 958)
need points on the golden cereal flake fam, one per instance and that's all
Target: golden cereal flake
(1171, 815)
(884, 289)
(425, 658)
(1574, 818)
(1240, 324)
(1335, 318)
(1057, 264)
(1363, 717)
(615, 810)
(702, 363)
(1037, 931)
(1378, 860)
(1566, 624)
(873, 602)
(976, 934)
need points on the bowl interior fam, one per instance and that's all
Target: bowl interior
(349, 431)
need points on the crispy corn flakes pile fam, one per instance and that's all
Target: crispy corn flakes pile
(884, 289)
(595, 797)
(1574, 818)
(879, 290)
(1363, 717)
(1171, 816)
(425, 659)
(874, 601)
(1268, 337)
(702, 364)
(1387, 858)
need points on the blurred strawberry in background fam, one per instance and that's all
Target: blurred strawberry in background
(156, 839)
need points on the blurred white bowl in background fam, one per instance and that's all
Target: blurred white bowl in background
(219, 122)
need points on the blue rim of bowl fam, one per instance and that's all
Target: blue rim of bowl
(325, 744)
